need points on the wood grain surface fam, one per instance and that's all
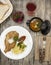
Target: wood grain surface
(47, 47)
(43, 11)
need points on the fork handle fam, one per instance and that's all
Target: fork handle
(41, 55)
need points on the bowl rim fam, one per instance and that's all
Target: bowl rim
(33, 19)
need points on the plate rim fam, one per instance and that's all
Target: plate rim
(31, 46)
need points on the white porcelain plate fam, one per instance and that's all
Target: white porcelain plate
(28, 41)
(9, 11)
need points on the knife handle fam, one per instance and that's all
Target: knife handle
(41, 55)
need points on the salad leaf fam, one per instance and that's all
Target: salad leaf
(15, 38)
(21, 45)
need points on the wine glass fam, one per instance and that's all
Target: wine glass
(31, 7)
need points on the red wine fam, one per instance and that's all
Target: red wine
(31, 6)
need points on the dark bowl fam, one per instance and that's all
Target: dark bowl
(34, 18)
(18, 16)
(45, 27)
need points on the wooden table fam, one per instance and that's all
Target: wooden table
(43, 11)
